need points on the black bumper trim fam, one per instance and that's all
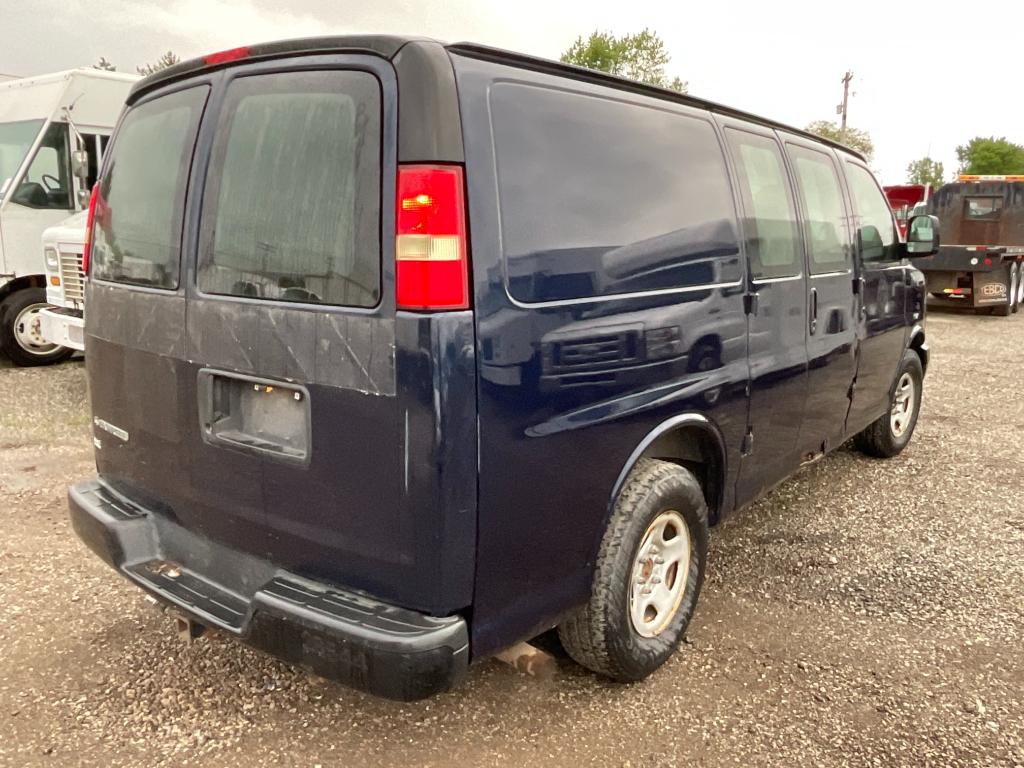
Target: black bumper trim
(343, 635)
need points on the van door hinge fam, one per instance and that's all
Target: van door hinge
(750, 303)
(747, 446)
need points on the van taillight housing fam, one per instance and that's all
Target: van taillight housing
(87, 250)
(225, 57)
(431, 259)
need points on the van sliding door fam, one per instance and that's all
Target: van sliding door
(777, 326)
(831, 301)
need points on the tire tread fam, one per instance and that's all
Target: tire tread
(587, 635)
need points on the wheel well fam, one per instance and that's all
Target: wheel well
(917, 344)
(697, 449)
(18, 283)
(710, 342)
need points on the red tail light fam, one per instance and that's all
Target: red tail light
(87, 250)
(223, 57)
(431, 261)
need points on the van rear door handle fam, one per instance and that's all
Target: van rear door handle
(814, 310)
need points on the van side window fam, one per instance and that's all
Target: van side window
(822, 197)
(875, 226)
(47, 182)
(770, 223)
(291, 210)
(600, 197)
(137, 230)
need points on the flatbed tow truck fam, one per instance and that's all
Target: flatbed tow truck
(980, 263)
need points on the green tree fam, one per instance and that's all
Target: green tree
(926, 171)
(169, 59)
(104, 65)
(991, 156)
(855, 138)
(640, 57)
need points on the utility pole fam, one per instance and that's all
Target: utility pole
(841, 109)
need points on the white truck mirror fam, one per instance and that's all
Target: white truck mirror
(80, 163)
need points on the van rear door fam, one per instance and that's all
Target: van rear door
(270, 415)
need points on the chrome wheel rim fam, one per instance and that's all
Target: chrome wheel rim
(27, 331)
(902, 405)
(1020, 288)
(661, 570)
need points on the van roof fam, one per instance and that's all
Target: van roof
(388, 46)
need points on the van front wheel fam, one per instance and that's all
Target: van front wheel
(648, 575)
(892, 431)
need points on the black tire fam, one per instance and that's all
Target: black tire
(601, 636)
(1015, 278)
(879, 439)
(1007, 309)
(10, 311)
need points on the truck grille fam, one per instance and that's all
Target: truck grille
(598, 351)
(72, 277)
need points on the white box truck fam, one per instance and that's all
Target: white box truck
(53, 131)
(62, 321)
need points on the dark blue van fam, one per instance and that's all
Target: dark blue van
(401, 353)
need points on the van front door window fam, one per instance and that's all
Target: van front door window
(876, 227)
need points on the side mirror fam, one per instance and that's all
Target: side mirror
(83, 198)
(80, 164)
(923, 236)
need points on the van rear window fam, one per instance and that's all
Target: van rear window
(291, 210)
(601, 197)
(137, 230)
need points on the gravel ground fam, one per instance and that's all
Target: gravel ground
(865, 613)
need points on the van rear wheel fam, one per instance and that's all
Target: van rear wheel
(891, 433)
(19, 330)
(648, 576)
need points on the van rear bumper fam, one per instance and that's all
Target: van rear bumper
(339, 634)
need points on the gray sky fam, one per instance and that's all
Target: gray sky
(927, 76)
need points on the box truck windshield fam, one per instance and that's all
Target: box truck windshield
(16, 138)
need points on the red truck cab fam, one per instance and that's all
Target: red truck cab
(903, 198)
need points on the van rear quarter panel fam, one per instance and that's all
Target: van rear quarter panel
(566, 388)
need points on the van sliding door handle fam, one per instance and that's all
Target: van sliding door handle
(814, 310)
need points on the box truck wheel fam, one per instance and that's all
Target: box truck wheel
(648, 575)
(892, 431)
(19, 330)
